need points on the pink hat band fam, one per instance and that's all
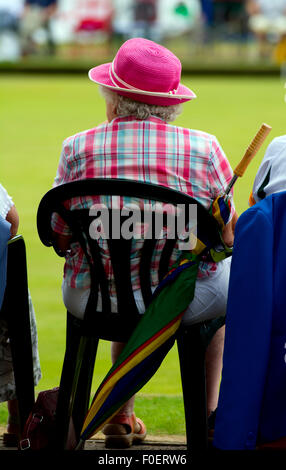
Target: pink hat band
(144, 71)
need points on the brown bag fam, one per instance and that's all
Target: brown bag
(40, 425)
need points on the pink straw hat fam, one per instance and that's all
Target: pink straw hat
(144, 71)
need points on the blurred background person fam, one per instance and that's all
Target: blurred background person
(207, 10)
(177, 18)
(207, 18)
(123, 18)
(83, 28)
(10, 13)
(267, 21)
(37, 17)
(229, 19)
(93, 20)
(145, 16)
(157, 20)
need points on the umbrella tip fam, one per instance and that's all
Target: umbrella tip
(80, 445)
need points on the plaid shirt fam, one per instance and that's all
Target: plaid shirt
(150, 151)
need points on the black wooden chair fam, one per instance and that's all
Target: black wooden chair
(77, 374)
(15, 310)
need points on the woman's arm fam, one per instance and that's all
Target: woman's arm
(13, 218)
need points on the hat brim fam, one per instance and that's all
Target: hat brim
(101, 76)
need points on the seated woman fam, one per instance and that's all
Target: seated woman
(7, 383)
(251, 409)
(143, 94)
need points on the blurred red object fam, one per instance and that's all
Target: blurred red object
(93, 16)
(92, 24)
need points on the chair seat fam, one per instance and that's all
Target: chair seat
(108, 327)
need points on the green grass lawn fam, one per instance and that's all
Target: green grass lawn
(37, 113)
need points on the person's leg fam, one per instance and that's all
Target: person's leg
(7, 388)
(214, 356)
(261, 26)
(12, 404)
(210, 301)
(124, 427)
(116, 349)
(29, 23)
(13, 417)
(75, 300)
(51, 45)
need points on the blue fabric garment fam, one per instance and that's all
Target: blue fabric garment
(4, 237)
(208, 10)
(41, 3)
(252, 401)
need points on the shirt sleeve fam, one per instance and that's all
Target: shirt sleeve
(6, 202)
(62, 176)
(219, 174)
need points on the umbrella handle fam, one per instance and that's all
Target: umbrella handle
(250, 152)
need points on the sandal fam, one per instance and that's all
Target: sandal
(122, 431)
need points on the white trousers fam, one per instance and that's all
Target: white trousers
(210, 297)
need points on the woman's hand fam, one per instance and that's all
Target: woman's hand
(62, 242)
(228, 231)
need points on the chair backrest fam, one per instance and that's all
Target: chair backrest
(80, 222)
(16, 276)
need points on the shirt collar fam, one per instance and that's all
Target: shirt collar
(132, 118)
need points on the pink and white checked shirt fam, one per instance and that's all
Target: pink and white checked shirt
(149, 150)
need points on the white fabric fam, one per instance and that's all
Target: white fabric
(263, 24)
(6, 202)
(272, 8)
(209, 301)
(274, 161)
(15, 7)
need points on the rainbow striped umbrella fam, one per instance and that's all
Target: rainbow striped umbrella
(153, 337)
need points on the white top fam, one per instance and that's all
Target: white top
(271, 8)
(271, 175)
(5, 202)
(15, 7)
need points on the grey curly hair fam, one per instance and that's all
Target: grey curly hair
(128, 107)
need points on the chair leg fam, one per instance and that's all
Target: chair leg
(83, 389)
(75, 384)
(66, 383)
(192, 364)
